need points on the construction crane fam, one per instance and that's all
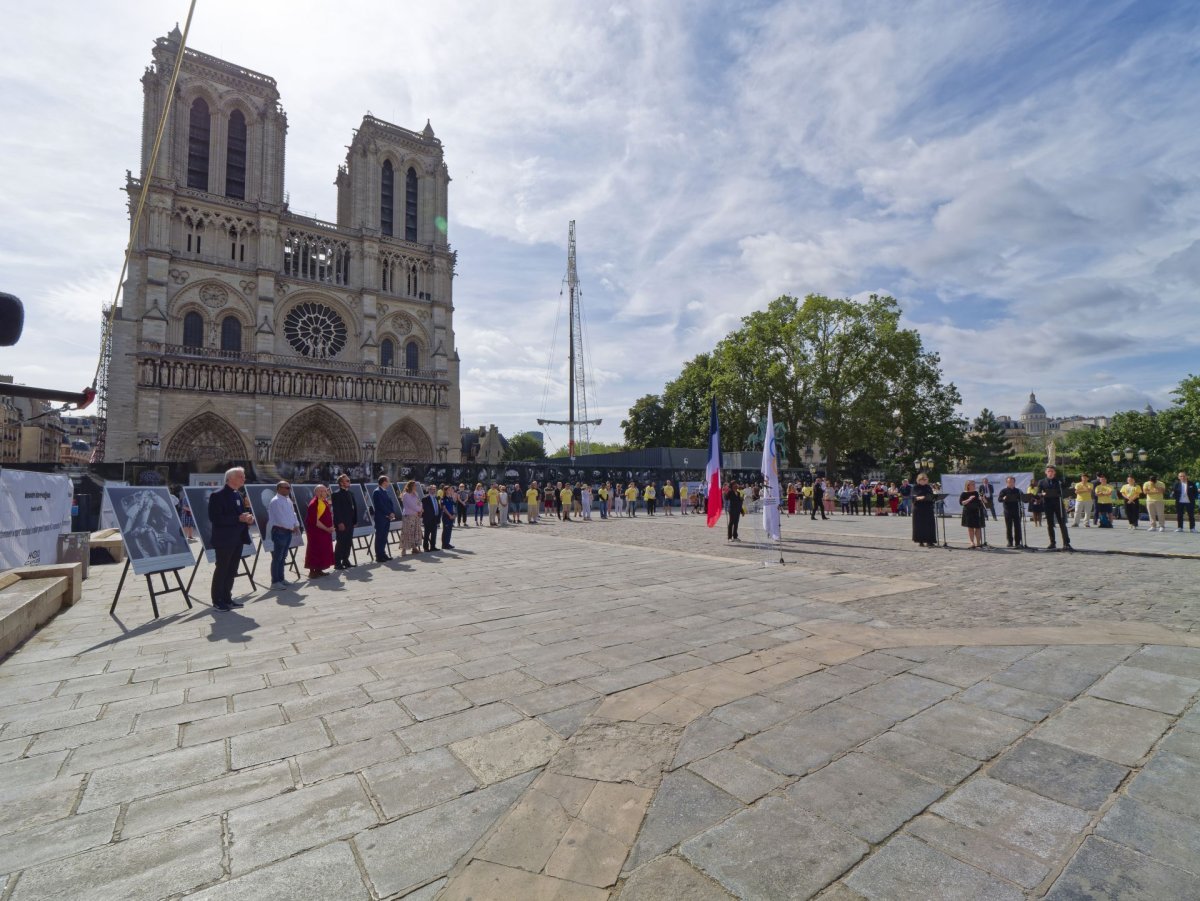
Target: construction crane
(576, 371)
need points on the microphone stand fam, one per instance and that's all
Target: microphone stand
(983, 509)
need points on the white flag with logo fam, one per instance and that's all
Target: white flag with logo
(770, 471)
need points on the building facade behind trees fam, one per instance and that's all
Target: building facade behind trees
(248, 332)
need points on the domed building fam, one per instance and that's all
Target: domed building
(1033, 418)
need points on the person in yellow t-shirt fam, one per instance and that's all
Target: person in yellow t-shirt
(1131, 492)
(1083, 502)
(493, 499)
(1154, 492)
(631, 496)
(683, 498)
(532, 501)
(668, 496)
(1104, 502)
(650, 497)
(567, 496)
(806, 493)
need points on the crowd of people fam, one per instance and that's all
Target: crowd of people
(425, 510)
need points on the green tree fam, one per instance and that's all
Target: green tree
(987, 445)
(524, 446)
(1169, 438)
(649, 423)
(595, 447)
(834, 370)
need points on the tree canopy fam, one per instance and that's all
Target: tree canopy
(524, 446)
(987, 445)
(835, 371)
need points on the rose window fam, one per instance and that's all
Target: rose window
(314, 330)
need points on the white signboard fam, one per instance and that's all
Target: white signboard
(108, 518)
(952, 485)
(35, 508)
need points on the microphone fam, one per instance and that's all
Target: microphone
(12, 320)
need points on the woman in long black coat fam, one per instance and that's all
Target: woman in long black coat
(972, 513)
(924, 528)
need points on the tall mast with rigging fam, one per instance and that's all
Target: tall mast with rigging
(576, 371)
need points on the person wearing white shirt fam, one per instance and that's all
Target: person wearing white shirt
(282, 524)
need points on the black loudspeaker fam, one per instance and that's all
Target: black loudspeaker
(12, 320)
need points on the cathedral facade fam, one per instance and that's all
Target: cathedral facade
(248, 332)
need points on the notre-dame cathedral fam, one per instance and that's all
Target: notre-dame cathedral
(248, 332)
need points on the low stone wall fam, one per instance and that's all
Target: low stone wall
(31, 596)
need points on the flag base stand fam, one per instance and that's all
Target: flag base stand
(768, 545)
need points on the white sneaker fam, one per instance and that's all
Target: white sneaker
(1179, 530)
(1087, 525)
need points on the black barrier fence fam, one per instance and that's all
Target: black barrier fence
(89, 484)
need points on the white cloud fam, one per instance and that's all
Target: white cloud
(1022, 177)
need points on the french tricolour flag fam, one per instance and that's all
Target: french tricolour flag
(712, 472)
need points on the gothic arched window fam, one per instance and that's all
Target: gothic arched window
(387, 353)
(231, 334)
(412, 356)
(193, 330)
(387, 195)
(235, 157)
(410, 205)
(198, 129)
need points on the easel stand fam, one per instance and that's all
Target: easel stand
(154, 594)
(243, 567)
(365, 543)
(291, 559)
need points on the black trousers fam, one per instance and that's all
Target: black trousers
(1054, 510)
(447, 529)
(429, 541)
(1133, 512)
(1012, 526)
(1190, 509)
(225, 571)
(731, 528)
(342, 543)
(462, 514)
(818, 506)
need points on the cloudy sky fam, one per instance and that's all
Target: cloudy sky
(1023, 177)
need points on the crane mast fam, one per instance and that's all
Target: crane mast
(577, 421)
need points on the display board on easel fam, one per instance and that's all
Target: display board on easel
(197, 498)
(153, 538)
(366, 523)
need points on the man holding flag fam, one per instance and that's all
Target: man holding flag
(712, 472)
(770, 471)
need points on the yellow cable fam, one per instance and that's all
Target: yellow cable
(146, 176)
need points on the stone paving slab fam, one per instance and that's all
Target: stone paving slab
(668, 716)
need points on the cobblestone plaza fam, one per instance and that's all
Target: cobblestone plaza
(632, 709)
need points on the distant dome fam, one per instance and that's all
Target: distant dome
(1033, 408)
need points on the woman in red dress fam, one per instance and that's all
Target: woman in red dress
(791, 498)
(318, 521)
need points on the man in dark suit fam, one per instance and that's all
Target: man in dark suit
(1052, 490)
(1184, 493)
(818, 499)
(345, 518)
(229, 517)
(431, 514)
(384, 502)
